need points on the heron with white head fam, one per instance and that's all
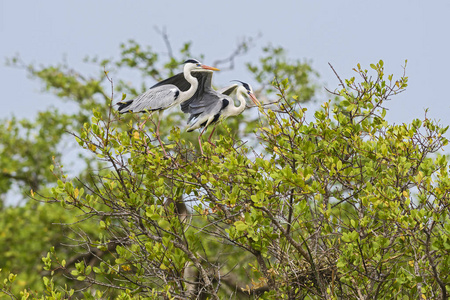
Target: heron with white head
(167, 93)
(208, 106)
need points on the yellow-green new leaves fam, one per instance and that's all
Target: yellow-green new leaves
(349, 237)
(340, 205)
(240, 226)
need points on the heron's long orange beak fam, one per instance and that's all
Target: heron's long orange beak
(209, 68)
(256, 101)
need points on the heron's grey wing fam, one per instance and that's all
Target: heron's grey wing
(208, 100)
(160, 97)
(203, 116)
(204, 79)
(177, 80)
(203, 111)
(228, 90)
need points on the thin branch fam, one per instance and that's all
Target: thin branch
(165, 36)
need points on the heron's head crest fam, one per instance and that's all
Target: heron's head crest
(244, 84)
(192, 61)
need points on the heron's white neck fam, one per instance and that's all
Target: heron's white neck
(194, 85)
(233, 110)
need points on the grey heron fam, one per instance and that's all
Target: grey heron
(167, 93)
(208, 106)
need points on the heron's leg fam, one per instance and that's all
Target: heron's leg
(210, 136)
(157, 133)
(142, 124)
(200, 139)
(147, 149)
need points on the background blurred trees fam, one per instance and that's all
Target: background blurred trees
(344, 206)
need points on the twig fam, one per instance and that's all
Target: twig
(165, 36)
(263, 104)
(241, 49)
(340, 80)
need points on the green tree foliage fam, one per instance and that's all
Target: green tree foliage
(346, 206)
(29, 148)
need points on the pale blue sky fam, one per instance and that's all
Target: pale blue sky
(343, 33)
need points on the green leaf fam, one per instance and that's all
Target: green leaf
(240, 226)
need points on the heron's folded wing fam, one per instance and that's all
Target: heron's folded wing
(199, 116)
(201, 102)
(213, 107)
(157, 98)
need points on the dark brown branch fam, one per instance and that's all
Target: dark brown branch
(442, 285)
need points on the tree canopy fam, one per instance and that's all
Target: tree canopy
(344, 205)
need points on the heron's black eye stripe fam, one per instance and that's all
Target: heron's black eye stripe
(247, 87)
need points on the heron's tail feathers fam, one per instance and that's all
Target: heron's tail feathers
(123, 106)
(192, 122)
